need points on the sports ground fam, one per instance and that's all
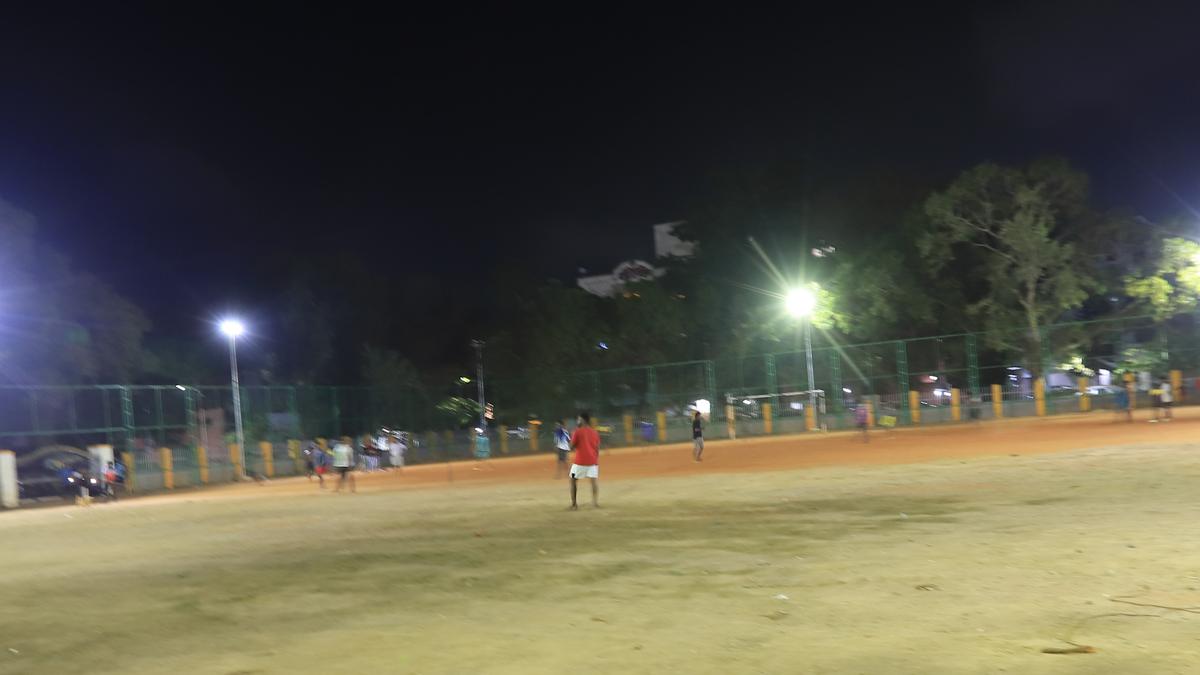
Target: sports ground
(957, 549)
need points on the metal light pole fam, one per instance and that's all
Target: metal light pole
(232, 328)
(800, 303)
(478, 345)
(812, 392)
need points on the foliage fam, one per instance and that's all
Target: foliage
(1019, 225)
(458, 411)
(1173, 287)
(60, 325)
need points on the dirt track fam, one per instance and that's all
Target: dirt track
(902, 446)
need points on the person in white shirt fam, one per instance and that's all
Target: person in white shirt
(396, 450)
(1165, 399)
(343, 462)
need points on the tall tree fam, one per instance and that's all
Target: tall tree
(1019, 227)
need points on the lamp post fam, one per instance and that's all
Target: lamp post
(233, 329)
(478, 345)
(800, 303)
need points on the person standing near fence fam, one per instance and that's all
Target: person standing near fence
(562, 445)
(343, 461)
(396, 450)
(586, 442)
(697, 436)
(1166, 398)
(860, 419)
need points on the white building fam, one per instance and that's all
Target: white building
(666, 245)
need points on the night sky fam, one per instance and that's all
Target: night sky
(195, 160)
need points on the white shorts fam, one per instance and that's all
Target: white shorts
(578, 471)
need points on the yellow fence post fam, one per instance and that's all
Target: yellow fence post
(268, 456)
(168, 468)
(1177, 386)
(235, 458)
(768, 421)
(504, 439)
(627, 419)
(810, 417)
(323, 444)
(730, 421)
(661, 418)
(870, 415)
(294, 453)
(130, 471)
(914, 407)
(997, 401)
(1085, 400)
(955, 405)
(533, 436)
(202, 463)
(1039, 397)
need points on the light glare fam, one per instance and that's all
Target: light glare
(800, 302)
(232, 327)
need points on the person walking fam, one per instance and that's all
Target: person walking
(697, 437)
(586, 443)
(343, 461)
(396, 450)
(1166, 399)
(861, 415)
(562, 445)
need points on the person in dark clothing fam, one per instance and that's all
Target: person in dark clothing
(697, 437)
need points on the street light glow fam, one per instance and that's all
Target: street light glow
(232, 327)
(464, 379)
(800, 302)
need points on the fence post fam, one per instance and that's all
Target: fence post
(504, 439)
(835, 375)
(661, 418)
(772, 379)
(235, 458)
(972, 366)
(652, 387)
(127, 417)
(294, 452)
(1131, 391)
(768, 421)
(267, 450)
(955, 405)
(710, 382)
(627, 420)
(997, 401)
(870, 414)
(914, 407)
(202, 463)
(10, 494)
(1085, 401)
(810, 417)
(730, 421)
(533, 437)
(1177, 386)
(130, 471)
(168, 468)
(1039, 397)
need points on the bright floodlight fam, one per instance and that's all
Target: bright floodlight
(464, 379)
(800, 302)
(233, 328)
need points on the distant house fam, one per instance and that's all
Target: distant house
(666, 245)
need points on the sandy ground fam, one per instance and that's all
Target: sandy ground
(941, 550)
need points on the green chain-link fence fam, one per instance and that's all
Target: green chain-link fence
(766, 392)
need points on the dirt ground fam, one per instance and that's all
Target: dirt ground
(964, 549)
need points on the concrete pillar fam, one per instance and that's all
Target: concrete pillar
(997, 401)
(768, 419)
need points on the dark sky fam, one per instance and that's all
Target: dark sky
(193, 159)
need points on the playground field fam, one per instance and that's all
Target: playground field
(958, 549)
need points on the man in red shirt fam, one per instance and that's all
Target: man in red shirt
(586, 443)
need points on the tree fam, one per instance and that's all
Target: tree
(1173, 285)
(59, 325)
(1019, 226)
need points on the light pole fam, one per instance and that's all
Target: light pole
(478, 345)
(233, 329)
(800, 303)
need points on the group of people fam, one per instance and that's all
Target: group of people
(1162, 399)
(340, 459)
